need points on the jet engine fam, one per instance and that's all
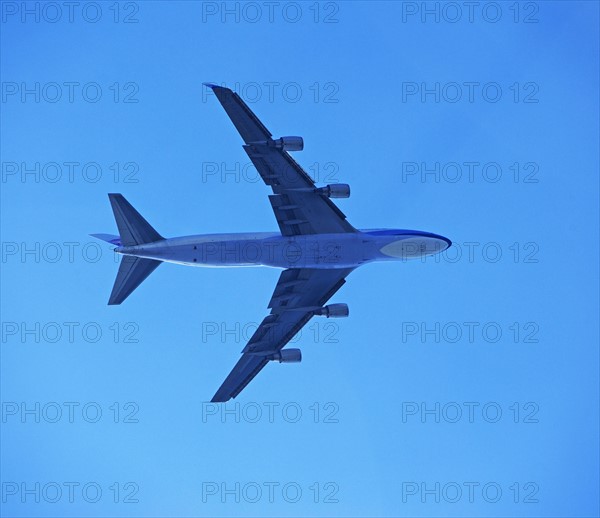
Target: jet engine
(287, 356)
(335, 190)
(290, 143)
(333, 311)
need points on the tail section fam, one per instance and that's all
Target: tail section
(132, 272)
(133, 230)
(109, 238)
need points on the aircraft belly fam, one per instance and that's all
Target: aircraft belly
(319, 251)
(324, 251)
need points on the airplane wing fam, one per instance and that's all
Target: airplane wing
(300, 208)
(299, 295)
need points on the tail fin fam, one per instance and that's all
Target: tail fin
(132, 272)
(133, 228)
(109, 238)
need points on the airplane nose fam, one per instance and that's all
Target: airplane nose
(413, 244)
(436, 244)
(440, 243)
(447, 242)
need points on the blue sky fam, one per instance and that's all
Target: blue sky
(462, 386)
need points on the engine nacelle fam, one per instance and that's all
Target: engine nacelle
(290, 143)
(334, 311)
(335, 190)
(287, 356)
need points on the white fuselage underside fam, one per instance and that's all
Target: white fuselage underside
(347, 250)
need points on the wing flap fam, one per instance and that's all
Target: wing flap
(299, 213)
(278, 169)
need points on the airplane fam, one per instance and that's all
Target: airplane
(316, 246)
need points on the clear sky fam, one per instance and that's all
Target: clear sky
(463, 386)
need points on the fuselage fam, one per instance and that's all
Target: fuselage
(347, 250)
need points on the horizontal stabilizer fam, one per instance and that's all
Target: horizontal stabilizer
(133, 228)
(132, 272)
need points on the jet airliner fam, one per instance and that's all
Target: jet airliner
(316, 246)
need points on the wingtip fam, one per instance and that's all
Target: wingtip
(220, 397)
(217, 88)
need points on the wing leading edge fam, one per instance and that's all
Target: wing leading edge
(299, 294)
